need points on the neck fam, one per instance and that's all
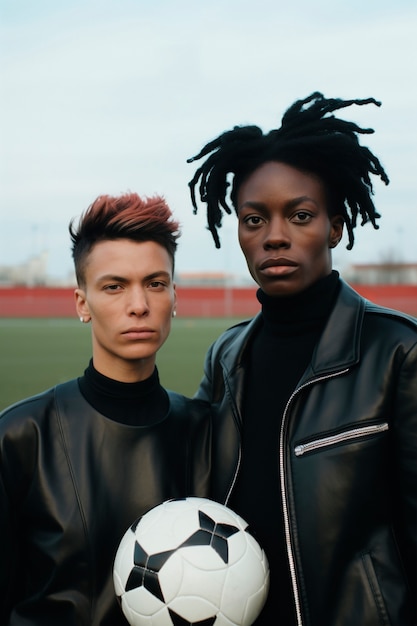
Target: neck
(122, 370)
(309, 307)
(139, 403)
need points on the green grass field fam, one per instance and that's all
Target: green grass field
(39, 353)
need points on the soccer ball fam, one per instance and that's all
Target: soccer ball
(190, 562)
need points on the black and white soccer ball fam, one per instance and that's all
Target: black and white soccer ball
(190, 562)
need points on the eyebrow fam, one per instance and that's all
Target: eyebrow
(263, 206)
(122, 279)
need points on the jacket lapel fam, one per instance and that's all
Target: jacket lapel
(339, 345)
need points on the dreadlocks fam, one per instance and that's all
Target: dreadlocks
(310, 139)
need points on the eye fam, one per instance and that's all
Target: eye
(112, 288)
(302, 217)
(157, 284)
(253, 220)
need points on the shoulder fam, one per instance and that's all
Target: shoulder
(31, 410)
(377, 316)
(184, 407)
(391, 316)
(394, 328)
(22, 427)
(234, 337)
(237, 329)
(28, 407)
(189, 415)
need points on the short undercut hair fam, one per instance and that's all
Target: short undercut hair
(127, 216)
(309, 139)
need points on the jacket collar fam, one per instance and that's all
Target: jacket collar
(231, 357)
(339, 345)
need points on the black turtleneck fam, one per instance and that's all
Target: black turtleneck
(137, 404)
(275, 361)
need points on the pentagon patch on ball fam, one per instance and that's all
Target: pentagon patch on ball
(190, 562)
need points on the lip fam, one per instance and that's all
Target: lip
(277, 262)
(135, 332)
(279, 267)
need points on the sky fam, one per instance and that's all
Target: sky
(109, 96)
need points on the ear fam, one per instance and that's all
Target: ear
(336, 230)
(81, 305)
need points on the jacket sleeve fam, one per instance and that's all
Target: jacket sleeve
(405, 433)
(8, 549)
(205, 391)
(193, 417)
(9, 539)
(228, 347)
(212, 386)
(18, 444)
(199, 437)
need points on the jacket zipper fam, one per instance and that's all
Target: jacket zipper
(288, 540)
(239, 460)
(229, 493)
(339, 438)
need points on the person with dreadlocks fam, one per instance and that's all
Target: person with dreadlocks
(80, 462)
(315, 399)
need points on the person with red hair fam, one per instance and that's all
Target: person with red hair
(80, 462)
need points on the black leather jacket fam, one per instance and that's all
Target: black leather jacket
(348, 463)
(71, 483)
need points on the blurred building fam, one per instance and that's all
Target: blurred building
(33, 271)
(382, 274)
(212, 279)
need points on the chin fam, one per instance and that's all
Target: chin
(281, 289)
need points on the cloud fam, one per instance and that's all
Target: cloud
(109, 96)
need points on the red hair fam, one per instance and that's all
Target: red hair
(127, 216)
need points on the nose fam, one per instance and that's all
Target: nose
(138, 303)
(277, 235)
